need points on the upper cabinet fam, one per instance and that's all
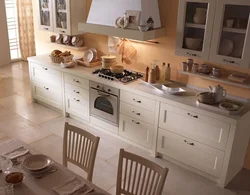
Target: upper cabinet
(231, 36)
(194, 28)
(45, 15)
(214, 30)
(63, 15)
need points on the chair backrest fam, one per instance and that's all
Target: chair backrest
(79, 148)
(139, 176)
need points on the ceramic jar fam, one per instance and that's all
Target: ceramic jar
(200, 16)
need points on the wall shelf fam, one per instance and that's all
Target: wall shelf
(235, 30)
(192, 25)
(220, 80)
(123, 33)
(70, 47)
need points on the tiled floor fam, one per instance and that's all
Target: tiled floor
(42, 128)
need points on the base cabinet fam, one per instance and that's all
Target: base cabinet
(190, 152)
(136, 130)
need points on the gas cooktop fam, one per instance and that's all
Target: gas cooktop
(124, 77)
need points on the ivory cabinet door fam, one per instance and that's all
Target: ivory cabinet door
(231, 40)
(45, 15)
(194, 30)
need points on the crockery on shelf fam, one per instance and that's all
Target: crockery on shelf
(226, 47)
(200, 15)
(193, 43)
(143, 28)
(195, 68)
(59, 38)
(229, 23)
(184, 66)
(238, 41)
(190, 64)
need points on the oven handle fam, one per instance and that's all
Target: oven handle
(103, 94)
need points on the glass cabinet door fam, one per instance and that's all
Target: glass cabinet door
(61, 16)
(194, 28)
(45, 13)
(231, 42)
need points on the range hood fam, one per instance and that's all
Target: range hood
(103, 14)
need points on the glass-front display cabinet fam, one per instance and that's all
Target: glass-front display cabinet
(194, 28)
(45, 15)
(231, 41)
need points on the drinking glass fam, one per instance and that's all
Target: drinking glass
(5, 165)
(6, 189)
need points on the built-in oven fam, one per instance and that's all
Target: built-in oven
(104, 102)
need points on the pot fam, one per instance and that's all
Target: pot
(117, 69)
(193, 43)
(200, 16)
(206, 98)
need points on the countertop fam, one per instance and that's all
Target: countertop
(187, 101)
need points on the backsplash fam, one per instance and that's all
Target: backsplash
(147, 52)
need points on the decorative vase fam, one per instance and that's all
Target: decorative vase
(200, 16)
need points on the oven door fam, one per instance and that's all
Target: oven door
(104, 106)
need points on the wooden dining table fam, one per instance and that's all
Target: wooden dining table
(42, 186)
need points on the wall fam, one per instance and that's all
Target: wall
(164, 52)
(4, 48)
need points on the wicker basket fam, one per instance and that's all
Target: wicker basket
(57, 60)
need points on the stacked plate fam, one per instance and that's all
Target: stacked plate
(37, 164)
(108, 61)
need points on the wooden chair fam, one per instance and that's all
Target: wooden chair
(139, 176)
(79, 148)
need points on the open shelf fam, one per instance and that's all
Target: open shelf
(45, 9)
(221, 80)
(235, 30)
(123, 33)
(192, 25)
(70, 47)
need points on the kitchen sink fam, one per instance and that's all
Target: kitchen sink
(171, 87)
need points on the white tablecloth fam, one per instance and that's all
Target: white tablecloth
(33, 186)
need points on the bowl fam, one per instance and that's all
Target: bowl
(14, 178)
(143, 28)
(206, 98)
(193, 43)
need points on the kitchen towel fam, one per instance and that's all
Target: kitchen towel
(72, 186)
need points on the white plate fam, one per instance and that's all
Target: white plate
(238, 45)
(88, 56)
(226, 47)
(36, 162)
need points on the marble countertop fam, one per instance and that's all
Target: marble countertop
(186, 101)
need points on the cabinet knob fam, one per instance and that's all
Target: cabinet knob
(189, 143)
(45, 28)
(76, 81)
(136, 113)
(46, 88)
(77, 91)
(229, 61)
(76, 100)
(194, 116)
(135, 122)
(45, 68)
(191, 54)
(137, 101)
(62, 31)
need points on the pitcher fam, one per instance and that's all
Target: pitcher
(200, 16)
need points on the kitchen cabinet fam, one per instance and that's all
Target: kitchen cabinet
(62, 16)
(45, 15)
(194, 28)
(231, 42)
(214, 30)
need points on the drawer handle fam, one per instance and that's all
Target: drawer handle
(76, 100)
(45, 68)
(194, 116)
(135, 122)
(46, 28)
(136, 113)
(191, 54)
(76, 81)
(189, 143)
(229, 61)
(137, 101)
(76, 91)
(46, 88)
(61, 31)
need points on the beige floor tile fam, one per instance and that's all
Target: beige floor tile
(33, 134)
(14, 102)
(51, 146)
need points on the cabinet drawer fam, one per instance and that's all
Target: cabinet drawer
(138, 100)
(47, 94)
(189, 152)
(77, 91)
(136, 130)
(47, 75)
(136, 112)
(198, 127)
(77, 81)
(77, 106)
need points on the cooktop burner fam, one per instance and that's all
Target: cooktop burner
(125, 77)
